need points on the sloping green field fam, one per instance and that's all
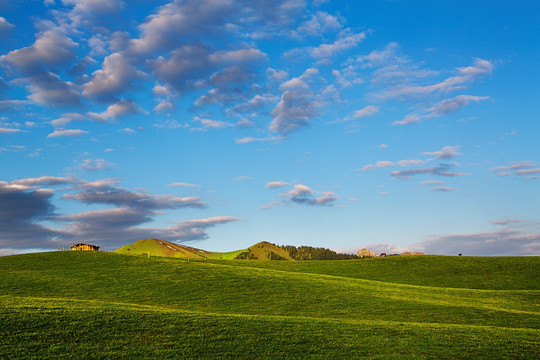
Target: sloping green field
(106, 305)
(157, 247)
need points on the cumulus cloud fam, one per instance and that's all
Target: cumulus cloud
(5, 27)
(304, 195)
(116, 75)
(115, 111)
(22, 209)
(48, 89)
(25, 207)
(51, 48)
(298, 105)
(447, 152)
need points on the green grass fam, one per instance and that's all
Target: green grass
(495, 273)
(106, 305)
(156, 247)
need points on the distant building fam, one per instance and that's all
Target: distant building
(85, 247)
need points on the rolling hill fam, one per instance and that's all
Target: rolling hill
(108, 305)
(156, 247)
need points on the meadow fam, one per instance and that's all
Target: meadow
(107, 305)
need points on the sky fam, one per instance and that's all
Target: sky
(394, 125)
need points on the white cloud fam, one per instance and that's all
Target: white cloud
(9, 130)
(210, 124)
(347, 40)
(51, 48)
(114, 111)
(248, 140)
(519, 169)
(44, 180)
(378, 164)
(62, 133)
(449, 106)
(318, 24)
(185, 184)
(66, 118)
(443, 189)
(447, 152)
(297, 107)
(276, 184)
(5, 27)
(409, 119)
(96, 164)
(304, 195)
(369, 110)
(116, 75)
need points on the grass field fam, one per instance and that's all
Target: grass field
(156, 247)
(107, 305)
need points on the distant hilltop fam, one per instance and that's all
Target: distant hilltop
(260, 251)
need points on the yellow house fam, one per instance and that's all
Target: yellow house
(85, 247)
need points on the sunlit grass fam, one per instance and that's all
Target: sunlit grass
(75, 304)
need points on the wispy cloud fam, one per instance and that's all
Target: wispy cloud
(520, 169)
(63, 133)
(182, 184)
(441, 170)
(96, 164)
(276, 184)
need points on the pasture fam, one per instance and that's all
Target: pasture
(107, 305)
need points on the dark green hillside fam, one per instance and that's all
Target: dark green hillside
(102, 305)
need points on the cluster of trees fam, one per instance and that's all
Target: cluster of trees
(246, 255)
(312, 253)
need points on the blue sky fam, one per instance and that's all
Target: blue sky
(392, 125)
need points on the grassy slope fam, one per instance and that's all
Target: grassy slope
(496, 273)
(156, 247)
(101, 304)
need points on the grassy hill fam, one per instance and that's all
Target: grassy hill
(156, 247)
(107, 305)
